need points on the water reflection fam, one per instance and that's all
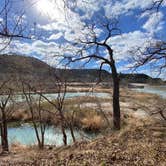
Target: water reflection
(25, 135)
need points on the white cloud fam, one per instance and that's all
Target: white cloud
(70, 24)
(126, 42)
(132, 4)
(1, 19)
(125, 6)
(55, 36)
(154, 23)
(53, 26)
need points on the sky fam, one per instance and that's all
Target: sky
(54, 27)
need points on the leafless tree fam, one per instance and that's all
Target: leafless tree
(93, 42)
(12, 26)
(154, 55)
(160, 109)
(155, 52)
(6, 110)
(60, 87)
(36, 111)
(58, 104)
(155, 5)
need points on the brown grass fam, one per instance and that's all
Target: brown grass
(136, 144)
(92, 123)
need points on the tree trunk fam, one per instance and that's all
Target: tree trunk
(62, 123)
(37, 134)
(116, 105)
(42, 142)
(72, 132)
(64, 134)
(1, 134)
(4, 133)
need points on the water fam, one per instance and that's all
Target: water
(25, 135)
(53, 96)
(159, 90)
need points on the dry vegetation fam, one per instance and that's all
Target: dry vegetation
(95, 113)
(141, 140)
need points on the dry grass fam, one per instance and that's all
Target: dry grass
(21, 114)
(85, 99)
(135, 145)
(89, 116)
(92, 123)
(86, 118)
(140, 141)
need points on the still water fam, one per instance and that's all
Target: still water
(159, 90)
(53, 96)
(25, 135)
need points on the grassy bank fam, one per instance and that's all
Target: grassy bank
(94, 113)
(140, 142)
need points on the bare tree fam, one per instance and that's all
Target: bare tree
(155, 52)
(6, 109)
(155, 5)
(12, 26)
(154, 55)
(93, 42)
(36, 111)
(58, 104)
(159, 109)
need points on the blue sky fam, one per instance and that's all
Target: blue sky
(56, 28)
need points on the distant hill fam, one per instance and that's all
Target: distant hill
(140, 78)
(35, 70)
(84, 75)
(27, 66)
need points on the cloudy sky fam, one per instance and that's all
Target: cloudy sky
(55, 26)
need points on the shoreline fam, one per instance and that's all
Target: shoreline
(137, 129)
(92, 101)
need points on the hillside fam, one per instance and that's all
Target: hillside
(83, 75)
(28, 67)
(34, 69)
